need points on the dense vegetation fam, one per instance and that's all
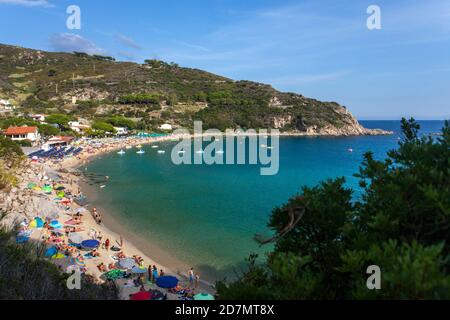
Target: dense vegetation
(151, 93)
(325, 240)
(11, 157)
(26, 275)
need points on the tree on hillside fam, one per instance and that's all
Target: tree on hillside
(59, 119)
(325, 240)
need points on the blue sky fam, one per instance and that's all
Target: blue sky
(321, 49)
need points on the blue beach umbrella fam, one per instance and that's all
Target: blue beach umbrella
(90, 244)
(167, 282)
(51, 252)
(39, 222)
(55, 224)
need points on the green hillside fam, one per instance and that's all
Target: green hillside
(155, 92)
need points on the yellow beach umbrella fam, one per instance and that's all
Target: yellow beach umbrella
(58, 256)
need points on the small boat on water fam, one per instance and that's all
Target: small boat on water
(181, 151)
(219, 151)
(128, 147)
(200, 151)
(161, 151)
(121, 152)
(350, 150)
(140, 151)
(155, 146)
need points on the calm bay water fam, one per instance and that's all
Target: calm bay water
(206, 216)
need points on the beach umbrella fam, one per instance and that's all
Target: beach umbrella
(60, 188)
(204, 296)
(141, 295)
(75, 238)
(61, 194)
(58, 256)
(127, 263)
(167, 282)
(31, 185)
(51, 252)
(137, 269)
(90, 244)
(39, 222)
(33, 224)
(36, 223)
(55, 224)
(47, 189)
(114, 274)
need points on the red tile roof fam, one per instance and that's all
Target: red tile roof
(19, 130)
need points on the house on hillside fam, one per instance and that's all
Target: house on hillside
(78, 127)
(6, 105)
(38, 117)
(23, 133)
(6, 108)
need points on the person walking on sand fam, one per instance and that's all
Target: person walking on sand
(107, 244)
(191, 277)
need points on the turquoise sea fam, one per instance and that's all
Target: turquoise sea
(206, 216)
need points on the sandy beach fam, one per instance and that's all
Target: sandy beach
(71, 180)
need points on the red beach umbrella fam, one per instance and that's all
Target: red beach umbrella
(141, 295)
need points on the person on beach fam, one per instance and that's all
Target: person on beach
(121, 242)
(150, 273)
(161, 273)
(191, 277)
(155, 273)
(197, 280)
(107, 244)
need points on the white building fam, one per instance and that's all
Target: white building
(23, 133)
(76, 126)
(121, 131)
(166, 127)
(6, 105)
(38, 117)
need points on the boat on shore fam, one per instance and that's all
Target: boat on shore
(121, 152)
(140, 151)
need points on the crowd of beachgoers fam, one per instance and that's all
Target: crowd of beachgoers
(75, 237)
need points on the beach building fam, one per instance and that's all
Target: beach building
(23, 133)
(57, 141)
(166, 127)
(121, 131)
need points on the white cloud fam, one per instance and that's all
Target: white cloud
(69, 42)
(126, 41)
(28, 3)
